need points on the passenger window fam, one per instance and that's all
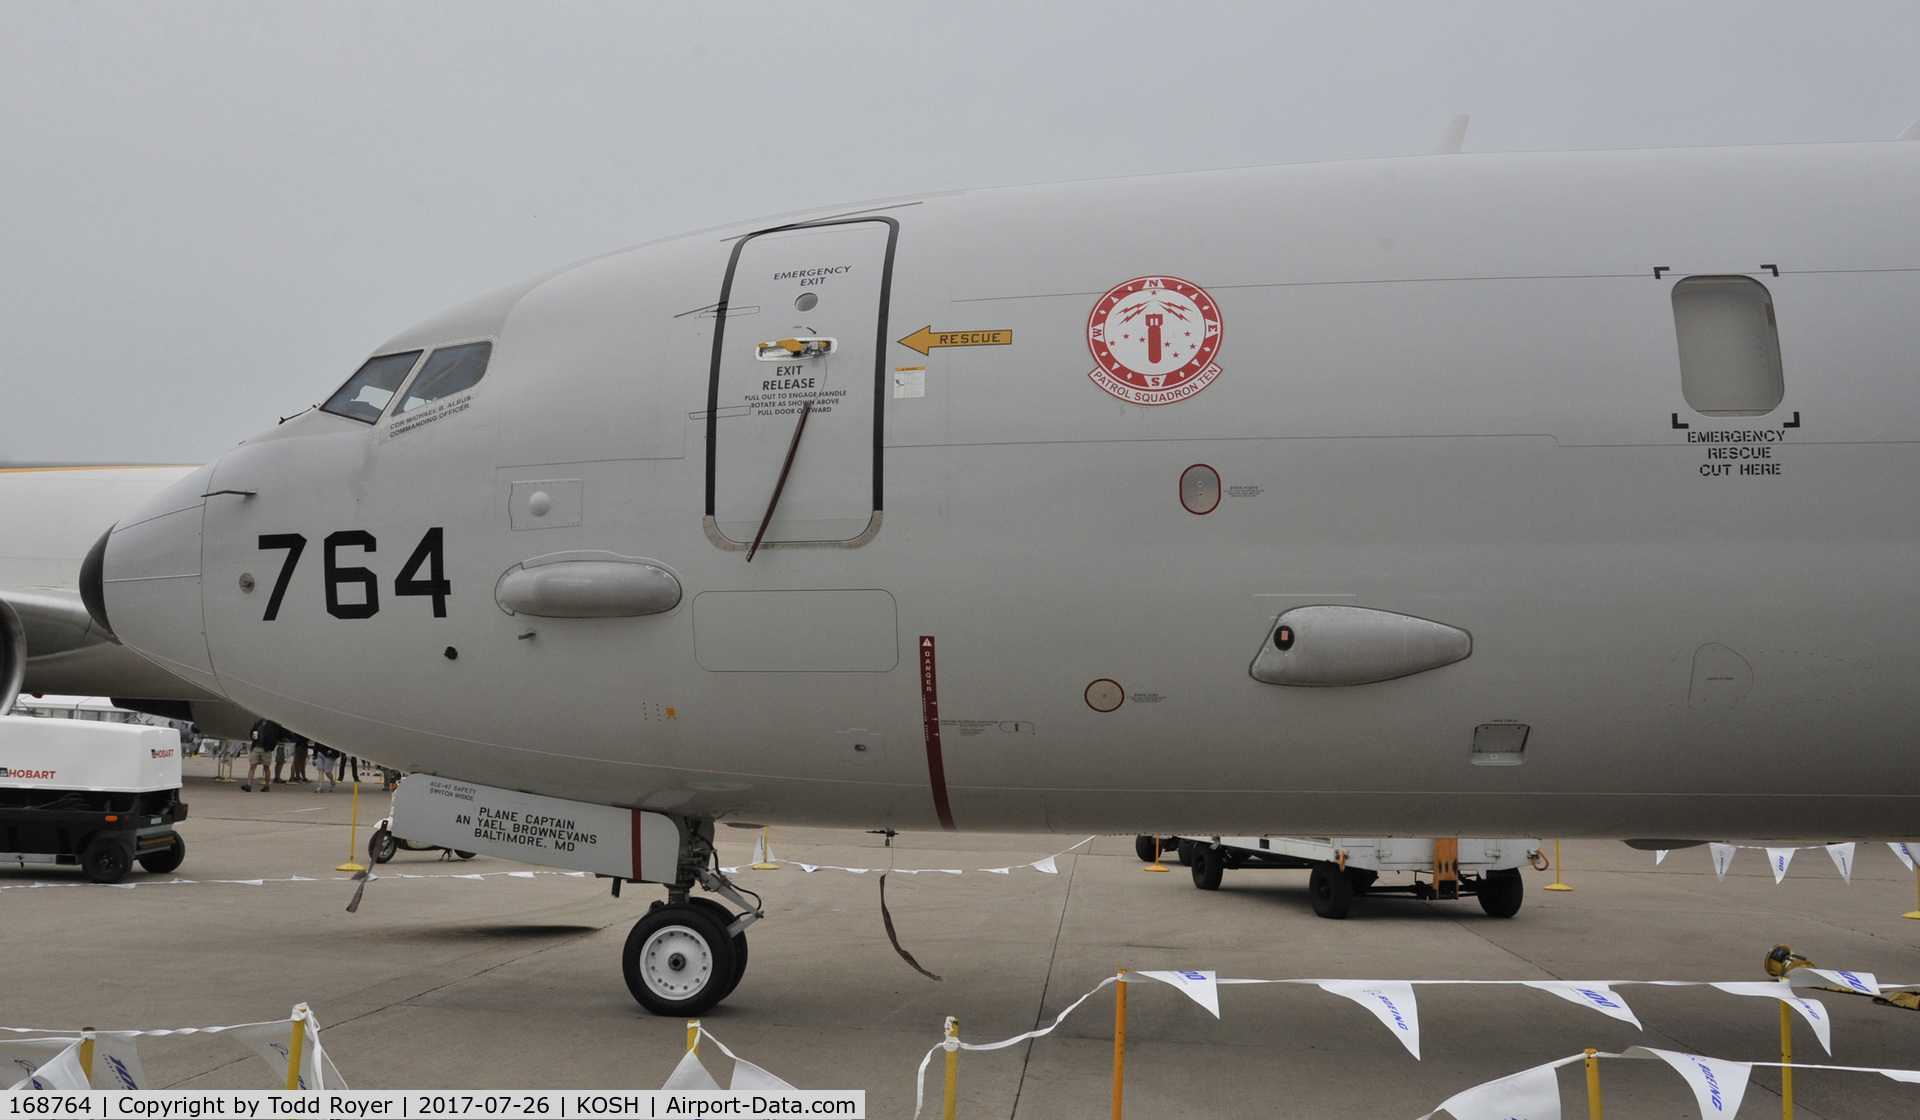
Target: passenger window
(366, 393)
(448, 370)
(1729, 346)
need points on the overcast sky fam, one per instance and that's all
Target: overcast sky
(210, 213)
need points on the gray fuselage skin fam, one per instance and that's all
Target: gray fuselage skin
(1449, 389)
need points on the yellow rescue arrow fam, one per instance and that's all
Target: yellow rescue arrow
(926, 338)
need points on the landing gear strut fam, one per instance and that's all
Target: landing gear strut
(689, 953)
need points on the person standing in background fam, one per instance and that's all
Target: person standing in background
(323, 760)
(266, 744)
(302, 746)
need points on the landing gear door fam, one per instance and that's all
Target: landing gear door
(814, 346)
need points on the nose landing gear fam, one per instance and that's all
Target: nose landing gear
(689, 953)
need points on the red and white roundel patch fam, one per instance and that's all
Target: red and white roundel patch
(1153, 340)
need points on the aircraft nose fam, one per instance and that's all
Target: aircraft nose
(144, 575)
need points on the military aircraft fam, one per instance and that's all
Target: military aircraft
(1516, 494)
(49, 514)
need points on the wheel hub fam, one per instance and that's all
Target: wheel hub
(675, 962)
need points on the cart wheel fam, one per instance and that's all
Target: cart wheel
(1209, 863)
(1500, 892)
(387, 847)
(1184, 849)
(725, 918)
(168, 858)
(677, 962)
(1143, 847)
(106, 860)
(462, 855)
(1330, 890)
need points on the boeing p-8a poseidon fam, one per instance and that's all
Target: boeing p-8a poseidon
(1564, 494)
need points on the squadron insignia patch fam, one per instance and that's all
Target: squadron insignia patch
(1153, 340)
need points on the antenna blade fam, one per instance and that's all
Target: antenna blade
(1455, 134)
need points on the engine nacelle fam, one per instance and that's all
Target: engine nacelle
(13, 656)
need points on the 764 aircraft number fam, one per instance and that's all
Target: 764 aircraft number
(428, 554)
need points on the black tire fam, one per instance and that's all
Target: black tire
(677, 962)
(1501, 892)
(387, 848)
(1184, 849)
(1331, 891)
(1143, 847)
(106, 860)
(169, 858)
(725, 918)
(462, 855)
(1209, 863)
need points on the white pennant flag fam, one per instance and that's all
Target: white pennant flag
(1045, 866)
(1659, 856)
(1778, 859)
(1600, 997)
(1842, 859)
(272, 1043)
(1531, 1094)
(1722, 859)
(1391, 1002)
(748, 1077)
(759, 849)
(689, 1074)
(1718, 1085)
(21, 1057)
(1865, 983)
(63, 1071)
(1904, 852)
(1201, 987)
(116, 1063)
(24, 1057)
(1813, 1011)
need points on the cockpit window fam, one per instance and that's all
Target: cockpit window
(366, 393)
(449, 370)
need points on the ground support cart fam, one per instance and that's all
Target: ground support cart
(97, 796)
(1344, 866)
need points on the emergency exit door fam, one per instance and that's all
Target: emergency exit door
(794, 393)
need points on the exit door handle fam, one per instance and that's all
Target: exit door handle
(794, 349)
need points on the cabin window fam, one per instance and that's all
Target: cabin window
(366, 393)
(1729, 346)
(449, 370)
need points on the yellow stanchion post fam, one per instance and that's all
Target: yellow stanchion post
(296, 1049)
(86, 1053)
(766, 852)
(1786, 1062)
(952, 1044)
(353, 835)
(1593, 1083)
(1915, 913)
(693, 1036)
(1155, 865)
(1557, 885)
(1119, 1040)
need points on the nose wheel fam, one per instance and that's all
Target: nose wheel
(689, 953)
(679, 961)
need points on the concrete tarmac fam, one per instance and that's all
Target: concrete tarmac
(514, 982)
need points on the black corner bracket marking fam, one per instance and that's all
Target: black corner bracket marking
(1660, 268)
(1677, 424)
(1773, 268)
(1793, 423)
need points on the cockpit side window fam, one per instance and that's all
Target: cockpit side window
(366, 393)
(449, 370)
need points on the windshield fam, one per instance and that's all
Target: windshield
(367, 392)
(449, 370)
